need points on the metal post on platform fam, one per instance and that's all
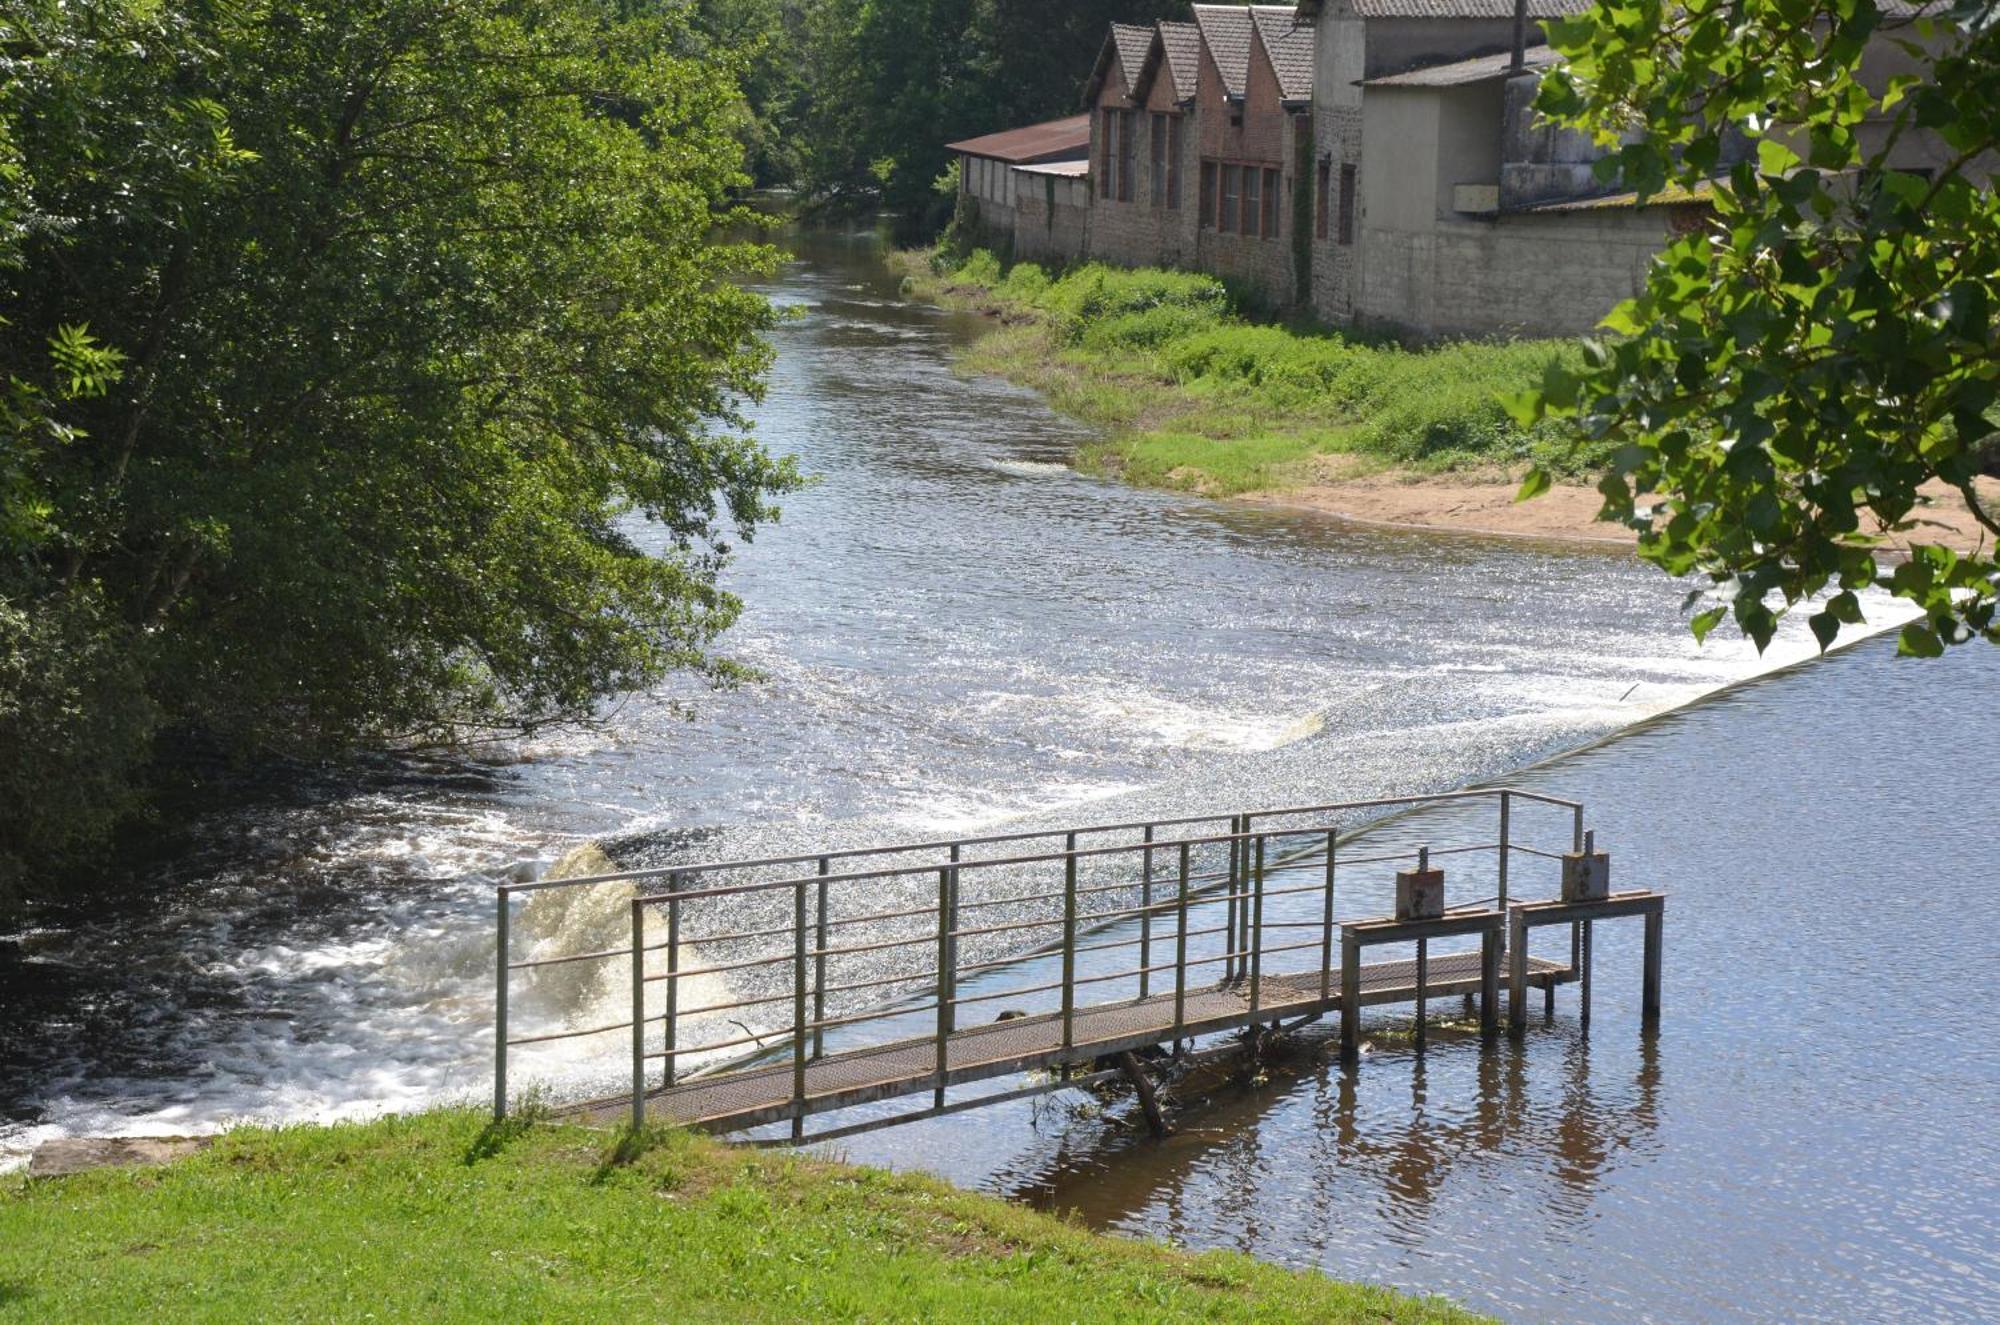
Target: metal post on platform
(1256, 943)
(638, 1014)
(673, 1008)
(1069, 946)
(1146, 917)
(799, 1009)
(819, 962)
(1326, 940)
(1180, 951)
(500, 1009)
(1506, 849)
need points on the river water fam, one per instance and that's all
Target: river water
(958, 632)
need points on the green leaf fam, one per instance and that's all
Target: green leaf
(1918, 640)
(1774, 158)
(1534, 485)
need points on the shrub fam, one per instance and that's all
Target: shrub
(1026, 283)
(979, 268)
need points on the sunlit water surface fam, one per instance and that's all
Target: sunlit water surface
(957, 632)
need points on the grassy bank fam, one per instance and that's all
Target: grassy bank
(1192, 394)
(437, 1218)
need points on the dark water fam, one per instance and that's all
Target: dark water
(956, 632)
(1809, 1136)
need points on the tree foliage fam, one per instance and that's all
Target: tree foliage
(1800, 366)
(862, 95)
(371, 373)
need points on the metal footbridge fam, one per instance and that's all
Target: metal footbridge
(778, 989)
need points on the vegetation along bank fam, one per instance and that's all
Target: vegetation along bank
(1192, 394)
(441, 1217)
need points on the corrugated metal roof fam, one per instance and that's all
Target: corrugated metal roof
(1671, 196)
(1290, 46)
(1460, 72)
(1464, 8)
(1049, 141)
(1182, 44)
(1068, 168)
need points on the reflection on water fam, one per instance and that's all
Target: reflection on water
(1807, 1136)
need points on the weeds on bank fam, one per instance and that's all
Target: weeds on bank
(1195, 395)
(388, 1221)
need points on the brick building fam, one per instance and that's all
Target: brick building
(1375, 162)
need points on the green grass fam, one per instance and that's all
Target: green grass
(1192, 394)
(437, 1218)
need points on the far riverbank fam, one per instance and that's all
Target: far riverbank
(1192, 397)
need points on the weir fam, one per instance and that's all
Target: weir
(782, 988)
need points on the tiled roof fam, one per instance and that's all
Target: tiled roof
(1460, 72)
(1131, 42)
(1464, 8)
(1054, 140)
(1290, 47)
(1225, 30)
(1182, 44)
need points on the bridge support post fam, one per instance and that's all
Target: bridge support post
(1350, 997)
(1656, 924)
(1517, 972)
(1490, 946)
(1142, 1086)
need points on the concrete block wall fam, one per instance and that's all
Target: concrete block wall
(1053, 218)
(1531, 274)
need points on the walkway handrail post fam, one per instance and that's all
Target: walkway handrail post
(819, 960)
(1231, 889)
(1069, 945)
(1146, 916)
(799, 1028)
(1180, 951)
(1255, 921)
(1326, 939)
(638, 1014)
(1505, 848)
(500, 1009)
(947, 973)
(1242, 940)
(674, 882)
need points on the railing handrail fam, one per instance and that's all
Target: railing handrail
(1243, 929)
(843, 853)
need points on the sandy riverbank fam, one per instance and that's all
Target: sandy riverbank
(1484, 504)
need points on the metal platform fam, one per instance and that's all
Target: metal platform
(747, 1097)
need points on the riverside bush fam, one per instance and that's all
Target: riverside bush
(1196, 395)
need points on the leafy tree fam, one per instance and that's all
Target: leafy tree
(889, 82)
(1798, 368)
(371, 375)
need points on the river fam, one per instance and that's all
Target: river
(956, 631)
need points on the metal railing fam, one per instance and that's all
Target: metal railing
(904, 938)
